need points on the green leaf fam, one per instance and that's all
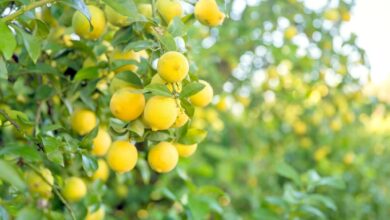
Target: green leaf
(3, 69)
(326, 201)
(3, 213)
(29, 214)
(158, 89)
(127, 8)
(87, 73)
(53, 149)
(78, 5)
(193, 136)
(144, 169)
(32, 44)
(191, 89)
(7, 40)
(335, 182)
(89, 164)
(137, 127)
(9, 174)
(141, 45)
(130, 77)
(159, 136)
(313, 211)
(188, 107)
(44, 92)
(177, 27)
(289, 172)
(26, 152)
(168, 42)
(168, 194)
(88, 138)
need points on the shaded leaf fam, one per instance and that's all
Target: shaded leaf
(158, 89)
(9, 174)
(7, 40)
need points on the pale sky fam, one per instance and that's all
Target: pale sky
(371, 22)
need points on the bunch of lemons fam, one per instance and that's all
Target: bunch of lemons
(133, 103)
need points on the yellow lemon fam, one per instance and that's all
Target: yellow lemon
(332, 14)
(173, 66)
(156, 79)
(145, 10)
(163, 157)
(129, 55)
(127, 104)
(82, 27)
(290, 32)
(102, 171)
(117, 84)
(36, 184)
(208, 13)
(346, 16)
(204, 96)
(185, 150)
(122, 156)
(349, 158)
(300, 127)
(83, 121)
(101, 143)
(181, 119)
(169, 9)
(115, 18)
(160, 112)
(74, 189)
(97, 215)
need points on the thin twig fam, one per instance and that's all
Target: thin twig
(6, 116)
(26, 8)
(55, 189)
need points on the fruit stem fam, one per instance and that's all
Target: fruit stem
(153, 8)
(6, 116)
(56, 191)
(26, 8)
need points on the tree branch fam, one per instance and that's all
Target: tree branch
(55, 189)
(26, 8)
(6, 116)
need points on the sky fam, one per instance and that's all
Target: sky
(370, 21)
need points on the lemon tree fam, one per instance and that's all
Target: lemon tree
(97, 99)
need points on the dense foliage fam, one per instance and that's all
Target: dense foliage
(290, 134)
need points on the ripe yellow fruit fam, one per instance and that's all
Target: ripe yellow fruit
(160, 112)
(332, 14)
(102, 171)
(115, 18)
(101, 143)
(156, 79)
(97, 215)
(208, 13)
(117, 84)
(185, 150)
(300, 127)
(82, 27)
(122, 156)
(83, 121)
(290, 32)
(145, 10)
(173, 66)
(163, 157)
(36, 184)
(204, 96)
(169, 9)
(74, 189)
(346, 16)
(127, 104)
(181, 119)
(129, 55)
